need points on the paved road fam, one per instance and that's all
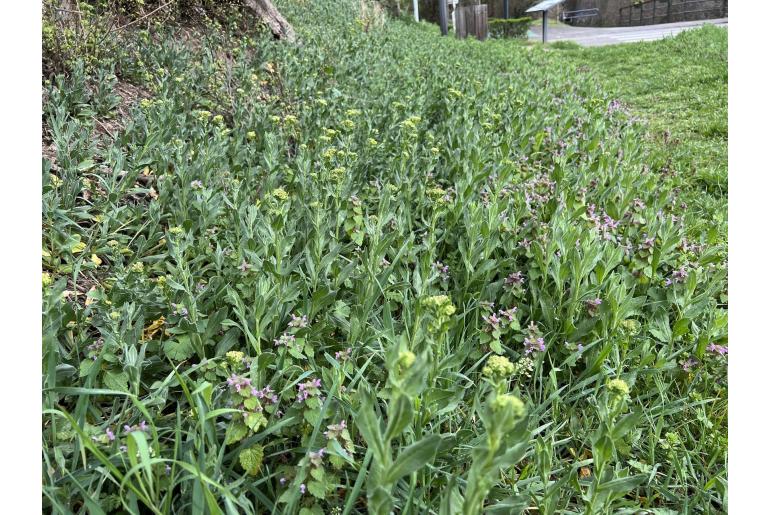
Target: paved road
(598, 36)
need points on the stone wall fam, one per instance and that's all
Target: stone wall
(609, 11)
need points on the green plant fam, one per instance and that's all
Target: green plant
(509, 28)
(379, 270)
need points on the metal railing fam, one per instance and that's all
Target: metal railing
(571, 16)
(649, 12)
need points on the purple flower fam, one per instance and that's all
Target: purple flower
(265, 394)
(515, 279)
(110, 435)
(508, 313)
(286, 340)
(298, 322)
(678, 276)
(140, 427)
(492, 321)
(180, 310)
(196, 185)
(592, 305)
(238, 382)
(717, 349)
(534, 345)
(302, 488)
(689, 364)
(316, 458)
(282, 481)
(343, 355)
(442, 269)
(614, 106)
(308, 389)
(335, 430)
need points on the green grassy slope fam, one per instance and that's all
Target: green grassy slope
(378, 270)
(679, 87)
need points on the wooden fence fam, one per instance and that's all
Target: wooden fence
(472, 20)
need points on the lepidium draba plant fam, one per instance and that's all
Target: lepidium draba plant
(505, 438)
(609, 481)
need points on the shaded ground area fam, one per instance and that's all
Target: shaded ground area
(600, 36)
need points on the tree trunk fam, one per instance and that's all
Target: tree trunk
(278, 25)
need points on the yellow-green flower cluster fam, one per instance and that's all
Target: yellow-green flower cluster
(411, 122)
(280, 194)
(137, 267)
(439, 309)
(618, 387)
(235, 357)
(328, 135)
(47, 279)
(631, 327)
(498, 368)
(337, 174)
(406, 358)
(437, 195)
(440, 305)
(509, 405)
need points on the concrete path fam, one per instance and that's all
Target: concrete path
(599, 36)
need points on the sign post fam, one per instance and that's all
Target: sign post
(543, 7)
